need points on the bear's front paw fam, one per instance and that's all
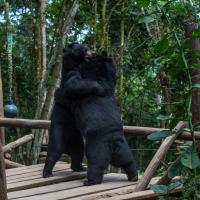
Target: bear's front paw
(47, 174)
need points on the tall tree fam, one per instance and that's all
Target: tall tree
(194, 71)
(54, 70)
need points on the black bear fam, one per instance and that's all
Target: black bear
(64, 136)
(97, 117)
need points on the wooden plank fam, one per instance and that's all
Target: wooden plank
(115, 192)
(25, 167)
(33, 175)
(147, 194)
(57, 187)
(110, 193)
(61, 176)
(32, 168)
(111, 181)
(45, 189)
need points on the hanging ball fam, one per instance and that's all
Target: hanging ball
(10, 110)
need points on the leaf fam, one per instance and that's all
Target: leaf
(197, 194)
(143, 3)
(175, 168)
(196, 33)
(187, 130)
(164, 189)
(146, 19)
(174, 185)
(159, 188)
(160, 135)
(163, 117)
(162, 45)
(196, 65)
(173, 123)
(190, 158)
(196, 85)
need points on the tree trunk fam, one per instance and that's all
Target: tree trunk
(103, 35)
(121, 70)
(194, 72)
(95, 24)
(42, 65)
(3, 189)
(55, 65)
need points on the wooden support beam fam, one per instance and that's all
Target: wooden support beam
(3, 188)
(24, 123)
(10, 164)
(158, 157)
(45, 124)
(145, 131)
(20, 141)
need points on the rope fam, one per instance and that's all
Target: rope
(9, 51)
(10, 63)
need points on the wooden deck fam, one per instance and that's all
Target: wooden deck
(26, 183)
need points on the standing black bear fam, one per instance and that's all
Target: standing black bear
(64, 136)
(98, 119)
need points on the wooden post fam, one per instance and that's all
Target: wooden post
(2, 133)
(3, 188)
(158, 157)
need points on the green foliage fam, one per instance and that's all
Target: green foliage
(175, 169)
(165, 189)
(162, 45)
(146, 19)
(160, 135)
(190, 158)
(143, 3)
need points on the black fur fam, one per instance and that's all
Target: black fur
(98, 118)
(64, 136)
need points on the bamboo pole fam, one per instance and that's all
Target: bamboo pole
(158, 157)
(9, 147)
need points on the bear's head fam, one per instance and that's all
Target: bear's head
(74, 55)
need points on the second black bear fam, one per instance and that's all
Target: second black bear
(98, 118)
